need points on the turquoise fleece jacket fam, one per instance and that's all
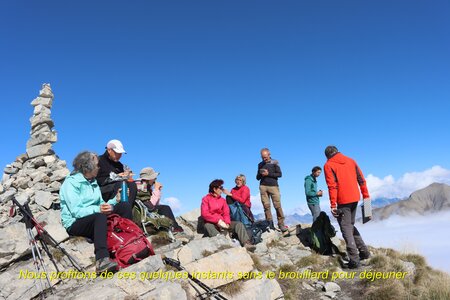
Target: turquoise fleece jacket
(79, 198)
(311, 190)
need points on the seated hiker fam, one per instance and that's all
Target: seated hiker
(241, 194)
(216, 214)
(149, 192)
(109, 163)
(83, 211)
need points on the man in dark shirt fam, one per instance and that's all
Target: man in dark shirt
(109, 162)
(268, 173)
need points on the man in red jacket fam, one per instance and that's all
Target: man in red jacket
(345, 183)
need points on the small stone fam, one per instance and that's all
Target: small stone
(331, 287)
(9, 169)
(39, 109)
(41, 119)
(46, 91)
(22, 158)
(43, 198)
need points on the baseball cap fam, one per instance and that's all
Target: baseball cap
(116, 146)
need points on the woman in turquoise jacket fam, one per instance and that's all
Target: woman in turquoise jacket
(83, 211)
(311, 192)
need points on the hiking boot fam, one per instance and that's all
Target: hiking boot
(364, 255)
(271, 226)
(249, 247)
(352, 264)
(283, 228)
(105, 264)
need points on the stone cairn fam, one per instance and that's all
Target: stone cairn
(36, 175)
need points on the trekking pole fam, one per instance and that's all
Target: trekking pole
(209, 291)
(43, 234)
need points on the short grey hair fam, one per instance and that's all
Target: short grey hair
(241, 177)
(330, 151)
(84, 162)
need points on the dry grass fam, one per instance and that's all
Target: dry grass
(311, 260)
(57, 255)
(275, 244)
(160, 239)
(224, 247)
(232, 288)
(258, 265)
(206, 253)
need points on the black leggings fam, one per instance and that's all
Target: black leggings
(94, 227)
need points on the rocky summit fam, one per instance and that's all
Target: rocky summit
(282, 266)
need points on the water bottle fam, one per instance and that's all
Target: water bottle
(124, 192)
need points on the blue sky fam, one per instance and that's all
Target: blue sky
(196, 88)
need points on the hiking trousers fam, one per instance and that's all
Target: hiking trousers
(94, 227)
(315, 210)
(353, 239)
(236, 227)
(272, 192)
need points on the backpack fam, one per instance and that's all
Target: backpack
(237, 214)
(321, 233)
(256, 230)
(151, 222)
(126, 242)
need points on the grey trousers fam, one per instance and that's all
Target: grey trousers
(315, 210)
(273, 192)
(353, 239)
(235, 227)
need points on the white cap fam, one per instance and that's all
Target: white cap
(116, 146)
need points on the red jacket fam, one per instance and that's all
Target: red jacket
(242, 195)
(343, 176)
(215, 208)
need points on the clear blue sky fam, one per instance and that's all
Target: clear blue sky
(196, 88)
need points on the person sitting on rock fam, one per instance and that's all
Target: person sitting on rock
(109, 163)
(216, 214)
(84, 212)
(241, 194)
(149, 192)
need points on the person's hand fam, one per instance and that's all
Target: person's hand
(226, 192)
(158, 186)
(106, 208)
(320, 193)
(334, 212)
(222, 224)
(264, 172)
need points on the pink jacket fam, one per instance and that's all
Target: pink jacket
(215, 208)
(242, 195)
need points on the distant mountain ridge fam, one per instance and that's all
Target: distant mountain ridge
(433, 198)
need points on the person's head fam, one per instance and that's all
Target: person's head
(86, 163)
(148, 175)
(115, 150)
(265, 154)
(240, 180)
(216, 187)
(316, 171)
(330, 151)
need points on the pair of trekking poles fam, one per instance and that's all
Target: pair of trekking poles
(44, 238)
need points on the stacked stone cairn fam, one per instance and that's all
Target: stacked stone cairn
(35, 177)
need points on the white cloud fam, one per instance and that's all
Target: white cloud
(424, 235)
(389, 187)
(257, 206)
(174, 203)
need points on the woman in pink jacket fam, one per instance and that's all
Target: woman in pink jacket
(215, 212)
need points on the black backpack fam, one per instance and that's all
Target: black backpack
(321, 233)
(256, 231)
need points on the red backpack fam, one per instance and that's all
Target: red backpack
(126, 242)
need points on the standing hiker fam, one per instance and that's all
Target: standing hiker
(345, 180)
(312, 194)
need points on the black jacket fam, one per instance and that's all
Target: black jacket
(274, 173)
(107, 166)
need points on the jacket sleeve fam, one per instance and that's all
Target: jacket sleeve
(276, 171)
(332, 185)
(70, 193)
(207, 215)
(242, 196)
(258, 174)
(309, 188)
(361, 182)
(156, 196)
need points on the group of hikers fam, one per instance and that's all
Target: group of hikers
(94, 190)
